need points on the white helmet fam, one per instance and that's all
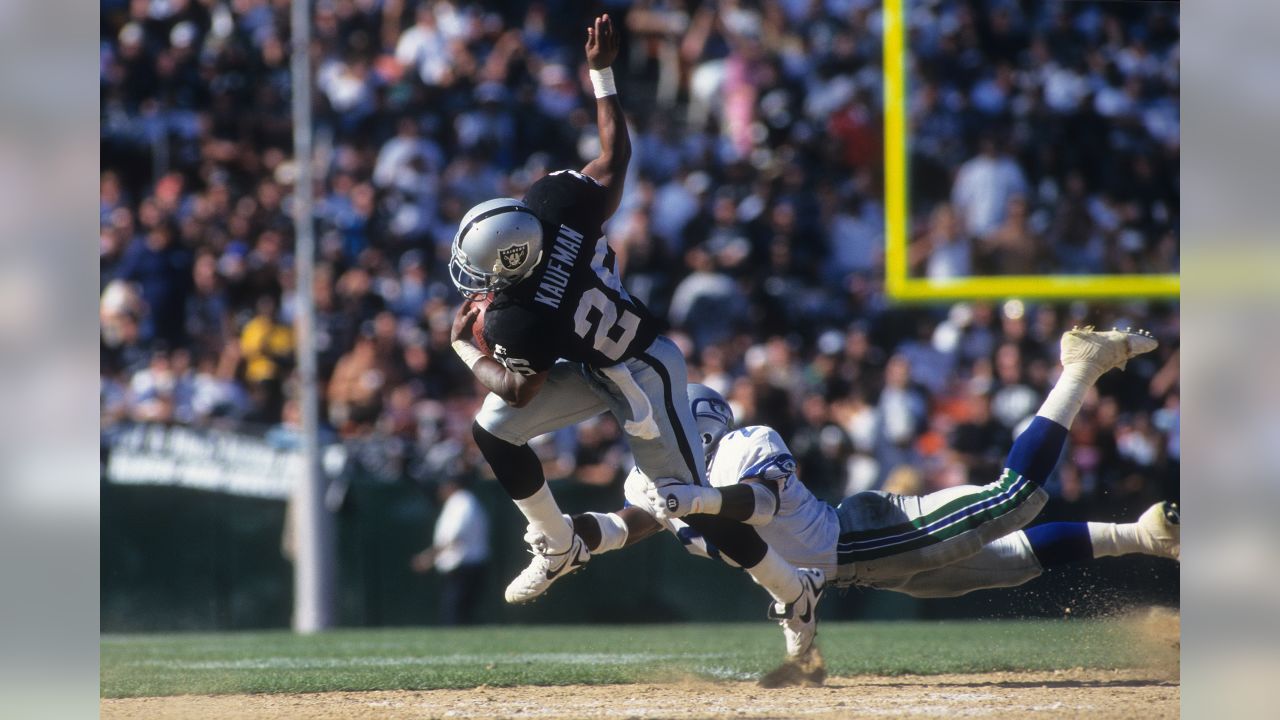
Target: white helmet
(498, 243)
(712, 415)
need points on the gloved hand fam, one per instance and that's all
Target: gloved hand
(673, 498)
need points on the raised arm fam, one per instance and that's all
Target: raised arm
(610, 169)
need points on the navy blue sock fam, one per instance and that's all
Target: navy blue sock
(1035, 453)
(1060, 543)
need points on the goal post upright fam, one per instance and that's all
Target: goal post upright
(314, 562)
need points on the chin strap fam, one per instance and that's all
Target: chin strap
(643, 425)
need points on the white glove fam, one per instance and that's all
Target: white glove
(673, 498)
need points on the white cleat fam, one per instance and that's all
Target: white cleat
(545, 568)
(1105, 349)
(799, 619)
(1160, 530)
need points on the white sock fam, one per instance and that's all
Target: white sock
(544, 516)
(777, 576)
(1068, 393)
(613, 532)
(1112, 539)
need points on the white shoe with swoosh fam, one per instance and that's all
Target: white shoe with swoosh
(799, 619)
(545, 568)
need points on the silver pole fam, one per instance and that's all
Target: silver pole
(313, 564)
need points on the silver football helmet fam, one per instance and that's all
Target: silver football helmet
(498, 243)
(712, 415)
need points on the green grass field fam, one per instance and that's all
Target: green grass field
(418, 658)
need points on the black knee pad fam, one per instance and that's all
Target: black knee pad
(737, 541)
(516, 466)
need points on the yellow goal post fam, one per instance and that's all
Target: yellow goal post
(899, 284)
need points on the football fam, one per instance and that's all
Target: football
(477, 326)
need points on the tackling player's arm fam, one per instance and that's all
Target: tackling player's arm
(516, 389)
(610, 169)
(754, 500)
(640, 524)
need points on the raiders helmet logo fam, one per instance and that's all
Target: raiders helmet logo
(513, 257)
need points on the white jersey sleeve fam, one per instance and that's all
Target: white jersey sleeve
(751, 452)
(805, 529)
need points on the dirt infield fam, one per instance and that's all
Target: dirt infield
(1060, 694)
(1152, 692)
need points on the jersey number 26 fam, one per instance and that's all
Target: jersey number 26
(610, 335)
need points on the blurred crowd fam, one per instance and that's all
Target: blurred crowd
(1043, 138)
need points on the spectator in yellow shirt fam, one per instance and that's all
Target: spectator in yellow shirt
(267, 344)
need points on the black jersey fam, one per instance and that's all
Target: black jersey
(572, 305)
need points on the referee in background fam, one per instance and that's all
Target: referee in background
(459, 550)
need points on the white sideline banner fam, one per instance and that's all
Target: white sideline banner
(213, 460)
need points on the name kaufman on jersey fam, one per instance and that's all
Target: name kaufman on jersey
(555, 279)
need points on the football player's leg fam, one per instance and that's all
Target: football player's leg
(888, 536)
(885, 536)
(661, 374)
(606, 532)
(502, 433)
(1085, 355)
(677, 453)
(1157, 532)
(1005, 562)
(1023, 556)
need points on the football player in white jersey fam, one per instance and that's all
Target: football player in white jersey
(943, 544)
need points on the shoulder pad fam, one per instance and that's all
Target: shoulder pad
(757, 451)
(777, 467)
(762, 439)
(579, 175)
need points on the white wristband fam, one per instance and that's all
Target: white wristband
(602, 81)
(469, 353)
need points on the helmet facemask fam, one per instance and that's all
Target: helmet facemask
(498, 244)
(472, 282)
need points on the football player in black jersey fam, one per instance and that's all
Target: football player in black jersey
(569, 342)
